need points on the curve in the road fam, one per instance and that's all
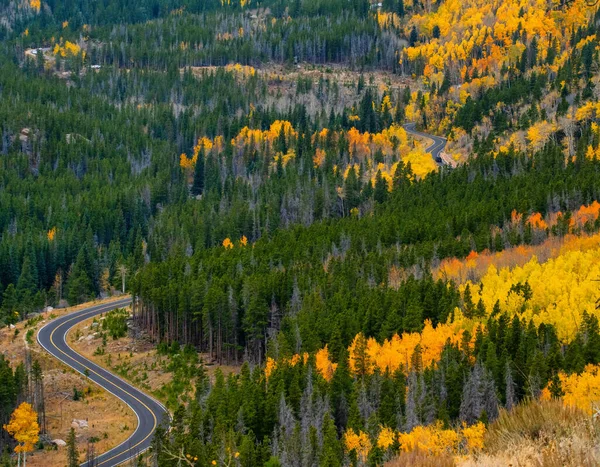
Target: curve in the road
(435, 148)
(149, 412)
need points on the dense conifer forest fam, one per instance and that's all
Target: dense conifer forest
(244, 170)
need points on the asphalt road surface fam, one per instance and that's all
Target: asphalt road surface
(436, 148)
(149, 412)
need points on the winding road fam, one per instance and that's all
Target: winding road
(436, 148)
(150, 413)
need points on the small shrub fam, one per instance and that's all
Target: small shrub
(115, 323)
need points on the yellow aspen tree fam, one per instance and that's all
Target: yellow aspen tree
(325, 366)
(24, 428)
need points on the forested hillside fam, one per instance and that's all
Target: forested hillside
(243, 169)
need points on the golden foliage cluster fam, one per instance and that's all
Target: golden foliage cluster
(228, 244)
(358, 442)
(69, 49)
(434, 440)
(325, 366)
(477, 35)
(392, 143)
(271, 364)
(562, 288)
(23, 427)
(244, 71)
(475, 265)
(367, 355)
(580, 390)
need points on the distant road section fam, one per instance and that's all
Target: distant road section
(150, 413)
(437, 147)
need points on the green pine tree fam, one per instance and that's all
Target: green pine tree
(72, 452)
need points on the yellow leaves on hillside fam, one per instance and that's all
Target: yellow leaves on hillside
(386, 174)
(386, 438)
(243, 71)
(473, 268)
(436, 440)
(285, 158)
(386, 20)
(185, 162)
(392, 141)
(352, 167)
(539, 134)
(478, 34)
(270, 367)
(248, 137)
(433, 439)
(366, 144)
(516, 140)
(23, 427)
(325, 366)
(359, 443)
(591, 153)
(51, 234)
(228, 244)
(587, 213)
(477, 86)
(586, 40)
(536, 221)
(319, 158)
(204, 144)
(386, 103)
(588, 111)
(35, 4)
(474, 436)
(583, 390)
(366, 355)
(271, 364)
(421, 162)
(257, 139)
(562, 289)
(69, 49)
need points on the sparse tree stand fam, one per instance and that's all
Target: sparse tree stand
(72, 453)
(24, 428)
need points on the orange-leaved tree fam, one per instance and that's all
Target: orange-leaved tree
(24, 428)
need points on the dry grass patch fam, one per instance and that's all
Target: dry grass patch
(421, 459)
(540, 433)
